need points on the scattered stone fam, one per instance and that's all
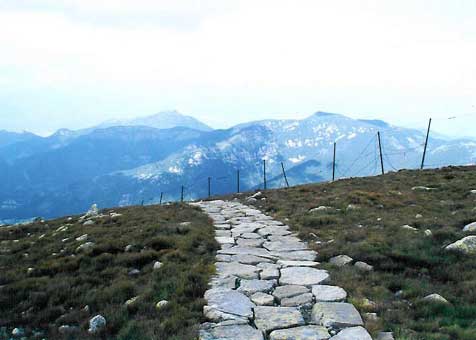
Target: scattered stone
(68, 330)
(336, 315)
(286, 264)
(296, 301)
(85, 247)
(470, 227)
(353, 333)
(129, 248)
(88, 222)
(269, 271)
(341, 260)
(428, 233)
(407, 227)
(466, 245)
(134, 272)
(82, 238)
(262, 299)
(161, 304)
(268, 319)
(371, 316)
(320, 208)
(362, 266)
(418, 216)
(352, 207)
(232, 332)
(422, 188)
(303, 276)
(329, 293)
(436, 298)
(97, 324)
(310, 332)
(114, 215)
(130, 303)
(157, 265)
(300, 255)
(18, 332)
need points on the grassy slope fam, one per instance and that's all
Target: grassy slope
(403, 260)
(62, 284)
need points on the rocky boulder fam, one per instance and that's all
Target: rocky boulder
(466, 245)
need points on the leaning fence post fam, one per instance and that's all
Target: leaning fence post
(264, 174)
(181, 196)
(284, 175)
(161, 196)
(334, 163)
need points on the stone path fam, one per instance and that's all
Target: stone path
(268, 285)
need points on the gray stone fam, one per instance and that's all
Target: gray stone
(269, 271)
(470, 227)
(364, 267)
(300, 255)
(157, 265)
(341, 260)
(223, 233)
(284, 246)
(85, 247)
(249, 259)
(329, 293)
(310, 332)
(336, 315)
(223, 258)
(285, 263)
(303, 276)
(251, 236)
(435, 298)
(271, 318)
(385, 336)
(244, 271)
(407, 227)
(225, 240)
(97, 324)
(228, 282)
(18, 332)
(353, 333)
(134, 272)
(274, 230)
(88, 222)
(82, 238)
(289, 291)
(466, 245)
(296, 301)
(247, 251)
(262, 299)
(230, 301)
(232, 332)
(428, 233)
(249, 287)
(241, 242)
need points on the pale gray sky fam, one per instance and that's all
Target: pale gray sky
(74, 63)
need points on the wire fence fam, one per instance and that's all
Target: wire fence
(380, 154)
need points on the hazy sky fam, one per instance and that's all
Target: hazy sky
(74, 63)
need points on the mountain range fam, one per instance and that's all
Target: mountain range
(137, 161)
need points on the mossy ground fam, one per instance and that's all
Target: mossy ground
(62, 282)
(403, 260)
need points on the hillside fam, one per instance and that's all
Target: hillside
(56, 275)
(400, 224)
(125, 165)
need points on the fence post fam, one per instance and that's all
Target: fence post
(334, 163)
(284, 174)
(161, 196)
(238, 181)
(264, 174)
(181, 196)
(426, 144)
(209, 187)
(380, 149)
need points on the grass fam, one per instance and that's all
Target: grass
(407, 265)
(62, 282)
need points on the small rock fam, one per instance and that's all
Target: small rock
(88, 222)
(466, 245)
(157, 265)
(297, 301)
(114, 215)
(352, 207)
(161, 304)
(428, 233)
(370, 316)
(30, 271)
(470, 227)
(341, 260)
(86, 309)
(336, 315)
(422, 188)
(129, 248)
(310, 332)
(473, 192)
(130, 303)
(437, 298)
(407, 227)
(82, 238)
(329, 293)
(352, 333)
(68, 330)
(385, 336)
(418, 216)
(97, 324)
(134, 272)
(362, 266)
(18, 332)
(268, 319)
(85, 247)
(251, 200)
(283, 292)
(320, 208)
(262, 299)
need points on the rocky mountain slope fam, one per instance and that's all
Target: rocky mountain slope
(124, 165)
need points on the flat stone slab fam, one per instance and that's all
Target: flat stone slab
(249, 259)
(353, 333)
(242, 242)
(341, 260)
(296, 301)
(247, 251)
(274, 230)
(249, 287)
(329, 293)
(336, 315)
(302, 276)
(271, 318)
(250, 236)
(284, 246)
(244, 271)
(232, 332)
(225, 240)
(230, 301)
(262, 299)
(300, 255)
(301, 333)
(270, 271)
(285, 263)
(289, 291)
